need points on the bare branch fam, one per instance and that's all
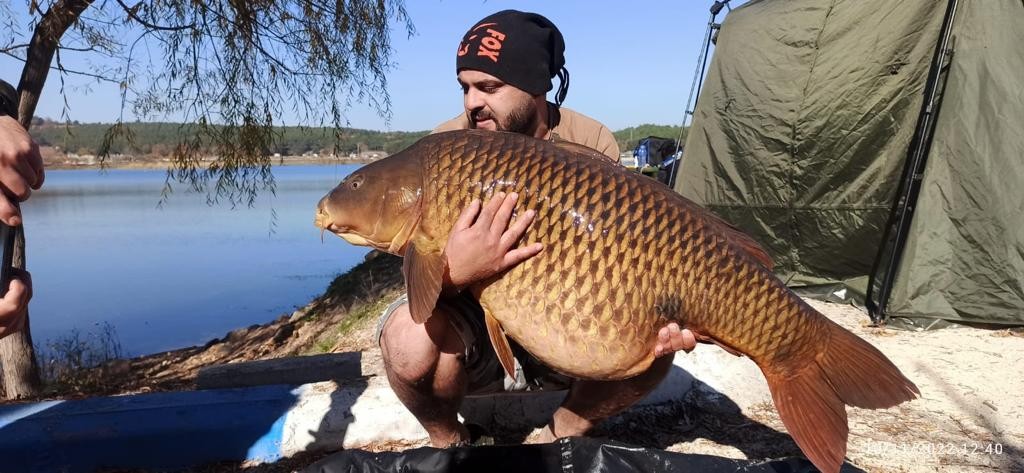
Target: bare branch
(7, 49)
(132, 13)
(66, 70)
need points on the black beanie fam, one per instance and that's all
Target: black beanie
(524, 50)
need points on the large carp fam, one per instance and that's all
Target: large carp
(623, 256)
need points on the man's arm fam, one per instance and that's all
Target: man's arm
(606, 144)
(21, 170)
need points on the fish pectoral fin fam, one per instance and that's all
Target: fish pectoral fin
(500, 342)
(423, 278)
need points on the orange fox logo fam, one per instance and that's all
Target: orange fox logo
(490, 44)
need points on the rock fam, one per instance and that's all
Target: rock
(298, 315)
(283, 334)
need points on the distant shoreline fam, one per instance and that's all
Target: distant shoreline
(163, 165)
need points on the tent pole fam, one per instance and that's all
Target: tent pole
(698, 79)
(905, 201)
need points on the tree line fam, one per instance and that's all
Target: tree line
(629, 137)
(159, 139)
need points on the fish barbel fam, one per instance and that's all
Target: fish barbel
(623, 256)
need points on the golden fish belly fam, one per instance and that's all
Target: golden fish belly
(622, 256)
(589, 305)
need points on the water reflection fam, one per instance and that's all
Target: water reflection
(100, 250)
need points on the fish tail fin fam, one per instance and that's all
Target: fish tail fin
(812, 412)
(812, 399)
(862, 375)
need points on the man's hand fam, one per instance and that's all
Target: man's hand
(481, 242)
(14, 304)
(21, 169)
(671, 339)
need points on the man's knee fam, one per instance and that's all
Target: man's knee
(412, 351)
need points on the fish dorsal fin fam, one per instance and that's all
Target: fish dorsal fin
(587, 151)
(423, 278)
(500, 342)
(748, 243)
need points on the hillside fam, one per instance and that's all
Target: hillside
(628, 137)
(157, 140)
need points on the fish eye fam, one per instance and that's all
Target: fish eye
(356, 182)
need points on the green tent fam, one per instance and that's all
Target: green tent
(876, 148)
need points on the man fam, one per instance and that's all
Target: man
(505, 64)
(21, 170)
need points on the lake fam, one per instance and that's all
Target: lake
(100, 250)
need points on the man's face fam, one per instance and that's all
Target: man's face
(494, 105)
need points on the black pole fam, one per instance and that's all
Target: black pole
(905, 201)
(698, 80)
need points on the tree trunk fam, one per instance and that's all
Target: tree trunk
(17, 356)
(21, 374)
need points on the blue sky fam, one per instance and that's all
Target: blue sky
(630, 63)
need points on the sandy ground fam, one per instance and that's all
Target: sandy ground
(970, 416)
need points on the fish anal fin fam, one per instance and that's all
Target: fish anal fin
(707, 339)
(500, 342)
(424, 274)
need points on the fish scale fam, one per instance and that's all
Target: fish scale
(575, 208)
(623, 255)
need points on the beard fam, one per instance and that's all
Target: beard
(521, 119)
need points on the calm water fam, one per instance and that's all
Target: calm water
(100, 250)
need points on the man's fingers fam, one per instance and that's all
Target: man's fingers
(14, 184)
(689, 342)
(35, 165)
(24, 278)
(519, 255)
(16, 298)
(504, 214)
(518, 229)
(18, 294)
(680, 339)
(9, 213)
(672, 339)
(490, 209)
(27, 168)
(467, 216)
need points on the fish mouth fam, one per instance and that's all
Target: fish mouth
(323, 221)
(352, 237)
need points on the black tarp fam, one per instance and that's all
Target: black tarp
(654, 150)
(569, 455)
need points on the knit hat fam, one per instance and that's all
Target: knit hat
(522, 49)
